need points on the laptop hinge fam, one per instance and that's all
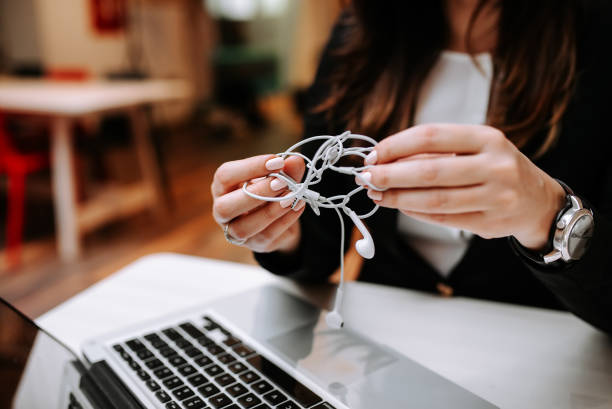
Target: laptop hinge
(104, 388)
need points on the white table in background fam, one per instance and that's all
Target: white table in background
(66, 102)
(515, 357)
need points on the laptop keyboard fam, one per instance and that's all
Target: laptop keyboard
(205, 366)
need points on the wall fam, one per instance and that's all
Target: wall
(18, 31)
(67, 38)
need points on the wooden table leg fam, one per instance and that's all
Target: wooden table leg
(64, 190)
(146, 157)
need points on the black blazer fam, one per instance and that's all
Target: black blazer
(490, 269)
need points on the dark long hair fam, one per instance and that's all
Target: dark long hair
(389, 47)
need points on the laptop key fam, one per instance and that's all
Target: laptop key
(153, 363)
(134, 365)
(225, 379)
(183, 393)
(295, 389)
(167, 352)
(324, 405)
(152, 385)
(243, 350)
(208, 390)
(274, 398)
(187, 370)
(172, 405)
(203, 361)
(237, 367)
(171, 333)
(249, 377)
(193, 352)
(190, 329)
(219, 401)
(162, 372)
(288, 405)
(236, 390)
(226, 358)
(173, 382)
(151, 337)
(215, 349)
(144, 354)
(231, 341)
(162, 396)
(143, 375)
(214, 370)
(248, 401)
(135, 344)
(261, 387)
(197, 380)
(209, 324)
(177, 361)
(159, 344)
(126, 357)
(263, 406)
(194, 403)
(183, 343)
(118, 348)
(204, 341)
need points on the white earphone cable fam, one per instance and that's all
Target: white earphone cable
(326, 157)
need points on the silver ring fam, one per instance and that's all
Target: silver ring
(230, 239)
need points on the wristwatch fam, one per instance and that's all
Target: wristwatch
(570, 233)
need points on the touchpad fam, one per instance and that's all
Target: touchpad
(335, 358)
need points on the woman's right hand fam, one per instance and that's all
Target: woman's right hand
(265, 226)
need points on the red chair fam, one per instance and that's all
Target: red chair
(17, 166)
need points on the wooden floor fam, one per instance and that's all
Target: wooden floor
(43, 282)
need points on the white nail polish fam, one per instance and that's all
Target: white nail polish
(371, 158)
(277, 184)
(286, 203)
(299, 206)
(374, 194)
(364, 177)
(275, 163)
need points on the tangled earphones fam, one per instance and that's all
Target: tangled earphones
(327, 157)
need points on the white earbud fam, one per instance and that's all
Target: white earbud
(333, 318)
(365, 246)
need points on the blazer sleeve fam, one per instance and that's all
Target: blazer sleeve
(319, 253)
(585, 286)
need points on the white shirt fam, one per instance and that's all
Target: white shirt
(455, 91)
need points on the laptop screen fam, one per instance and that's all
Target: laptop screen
(32, 363)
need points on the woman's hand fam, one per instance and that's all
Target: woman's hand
(266, 226)
(465, 176)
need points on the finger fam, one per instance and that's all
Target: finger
(439, 171)
(465, 221)
(247, 226)
(433, 138)
(271, 238)
(442, 200)
(231, 174)
(295, 167)
(236, 202)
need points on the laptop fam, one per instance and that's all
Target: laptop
(261, 349)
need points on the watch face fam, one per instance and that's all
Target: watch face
(580, 236)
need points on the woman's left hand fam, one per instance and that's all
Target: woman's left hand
(465, 176)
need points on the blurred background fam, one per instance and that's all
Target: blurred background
(114, 115)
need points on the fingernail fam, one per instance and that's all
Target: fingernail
(299, 206)
(375, 194)
(363, 177)
(286, 203)
(277, 184)
(371, 158)
(257, 179)
(275, 163)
